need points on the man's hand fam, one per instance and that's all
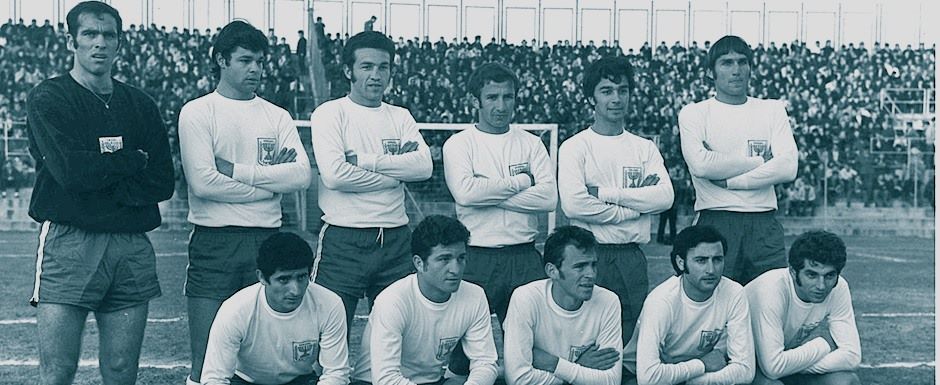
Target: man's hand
(286, 155)
(599, 359)
(409, 146)
(821, 330)
(650, 180)
(224, 167)
(714, 361)
(592, 191)
(723, 183)
(767, 155)
(351, 158)
(542, 360)
(531, 178)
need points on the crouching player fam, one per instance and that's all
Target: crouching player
(280, 329)
(803, 317)
(695, 327)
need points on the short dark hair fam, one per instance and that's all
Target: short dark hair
(691, 237)
(726, 45)
(96, 8)
(610, 68)
(560, 239)
(490, 72)
(437, 230)
(367, 39)
(236, 34)
(820, 246)
(284, 251)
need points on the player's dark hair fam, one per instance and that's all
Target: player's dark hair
(726, 45)
(560, 239)
(437, 230)
(820, 246)
(490, 72)
(284, 251)
(236, 34)
(367, 39)
(96, 8)
(610, 68)
(691, 237)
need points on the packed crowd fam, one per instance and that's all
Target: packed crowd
(833, 94)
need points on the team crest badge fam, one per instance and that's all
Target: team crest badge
(108, 144)
(575, 352)
(632, 177)
(709, 339)
(391, 146)
(757, 147)
(266, 148)
(518, 168)
(305, 350)
(445, 346)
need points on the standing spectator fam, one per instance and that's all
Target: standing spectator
(370, 24)
(103, 161)
(301, 49)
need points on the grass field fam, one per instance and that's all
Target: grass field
(892, 283)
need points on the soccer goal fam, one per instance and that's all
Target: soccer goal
(431, 196)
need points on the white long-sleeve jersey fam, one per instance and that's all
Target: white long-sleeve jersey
(736, 136)
(782, 320)
(369, 193)
(622, 212)
(485, 174)
(409, 339)
(534, 320)
(674, 331)
(264, 346)
(249, 134)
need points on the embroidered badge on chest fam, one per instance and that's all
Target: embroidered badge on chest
(757, 147)
(266, 149)
(632, 177)
(445, 346)
(108, 144)
(575, 352)
(305, 350)
(708, 340)
(391, 146)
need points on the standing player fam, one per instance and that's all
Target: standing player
(365, 150)
(419, 320)
(102, 165)
(612, 182)
(281, 330)
(240, 154)
(564, 329)
(501, 179)
(803, 318)
(695, 327)
(737, 148)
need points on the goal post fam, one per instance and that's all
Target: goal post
(431, 196)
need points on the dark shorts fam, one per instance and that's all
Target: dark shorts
(621, 268)
(355, 262)
(101, 272)
(501, 270)
(755, 242)
(308, 379)
(222, 260)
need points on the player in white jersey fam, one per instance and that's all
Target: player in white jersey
(564, 329)
(418, 320)
(695, 327)
(365, 151)
(240, 154)
(804, 323)
(612, 182)
(737, 148)
(283, 330)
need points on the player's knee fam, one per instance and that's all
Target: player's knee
(119, 366)
(842, 378)
(57, 373)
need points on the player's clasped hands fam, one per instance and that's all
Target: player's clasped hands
(409, 146)
(821, 330)
(714, 360)
(599, 359)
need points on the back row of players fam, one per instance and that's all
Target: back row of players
(103, 164)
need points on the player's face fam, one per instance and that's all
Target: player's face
(369, 76)
(243, 71)
(497, 103)
(703, 266)
(440, 275)
(95, 44)
(285, 289)
(611, 100)
(574, 279)
(732, 72)
(814, 281)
